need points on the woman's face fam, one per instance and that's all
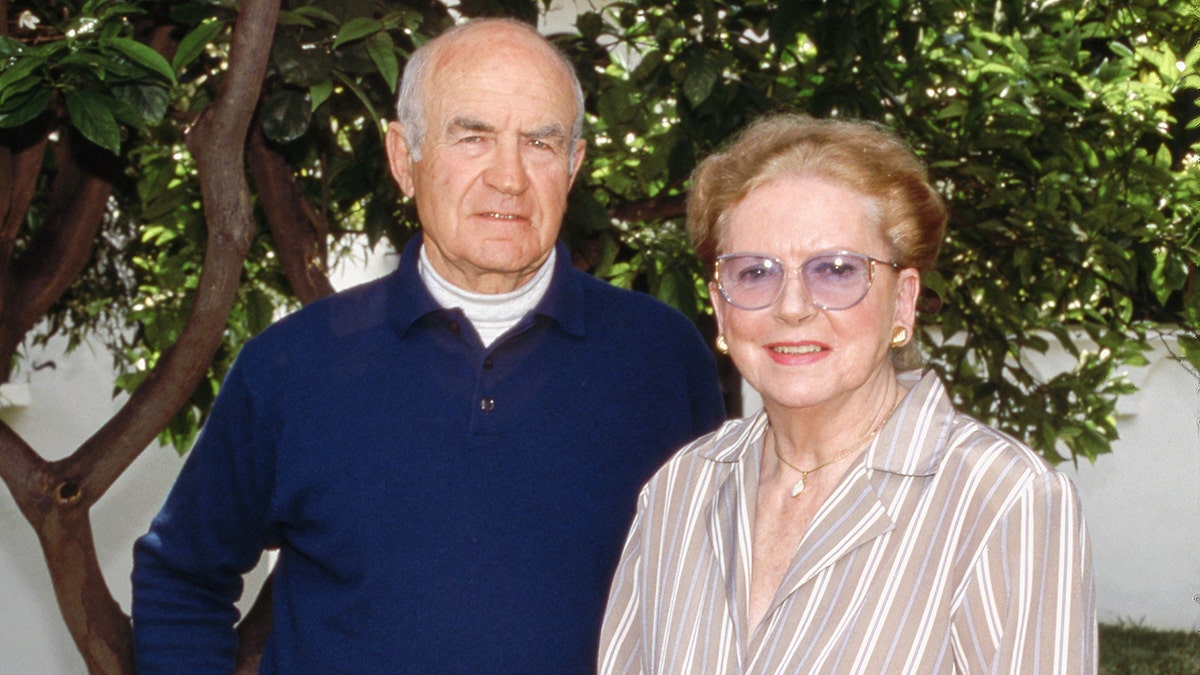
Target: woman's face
(793, 353)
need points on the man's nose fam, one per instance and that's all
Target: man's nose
(507, 172)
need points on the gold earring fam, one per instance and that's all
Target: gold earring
(899, 337)
(722, 345)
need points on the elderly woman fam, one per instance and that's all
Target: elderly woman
(857, 524)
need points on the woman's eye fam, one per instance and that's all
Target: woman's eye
(835, 269)
(754, 273)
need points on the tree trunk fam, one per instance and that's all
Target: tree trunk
(56, 497)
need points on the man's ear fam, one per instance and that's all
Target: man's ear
(580, 150)
(399, 158)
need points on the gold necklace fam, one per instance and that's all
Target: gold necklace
(799, 486)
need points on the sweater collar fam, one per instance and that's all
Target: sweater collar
(409, 300)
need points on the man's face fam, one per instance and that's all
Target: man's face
(491, 185)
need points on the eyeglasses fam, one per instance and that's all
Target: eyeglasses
(834, 281)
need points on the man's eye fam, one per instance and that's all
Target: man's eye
(540, 144)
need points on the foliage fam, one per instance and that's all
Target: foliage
(1050, 127)
(1129, 649)
(1058, 131)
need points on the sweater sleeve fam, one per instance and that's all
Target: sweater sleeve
(188, 568)
(1028, 605)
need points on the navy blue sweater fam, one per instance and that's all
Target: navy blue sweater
(438, 507)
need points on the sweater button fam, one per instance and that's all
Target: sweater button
(487, 404)
(487, 363)
(454, 327)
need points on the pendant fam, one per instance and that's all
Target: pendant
(798, 487)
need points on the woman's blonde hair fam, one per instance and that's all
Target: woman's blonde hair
(863, 156)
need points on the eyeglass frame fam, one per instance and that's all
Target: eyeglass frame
(787, 271)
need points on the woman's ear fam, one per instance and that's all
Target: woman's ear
(718, 305)
(908, 290)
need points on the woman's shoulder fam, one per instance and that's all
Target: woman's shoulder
(710, 458)
(931, 435)
(974, 444)
(932, 438)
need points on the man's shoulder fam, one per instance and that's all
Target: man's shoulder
(349, 315)
(615, 303)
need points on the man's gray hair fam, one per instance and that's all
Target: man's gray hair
(410, 104)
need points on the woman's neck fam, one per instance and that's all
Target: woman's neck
(812, 435)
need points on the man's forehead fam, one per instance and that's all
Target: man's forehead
(531, 107)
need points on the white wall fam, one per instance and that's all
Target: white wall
(1142, 503)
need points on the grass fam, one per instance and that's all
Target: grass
(1127, 649)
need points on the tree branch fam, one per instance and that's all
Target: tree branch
(298, 229)
(61, 247)
(217, 143)
(68, 488)
(20, 165)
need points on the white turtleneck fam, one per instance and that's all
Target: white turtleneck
(491, 314)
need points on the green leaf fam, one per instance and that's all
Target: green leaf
(314, 12)
(10, 47)
(144, 56)
(287, 18)
(17, 73)
(24, 107)
(701, 76)
(297, 65)
(383, 54)
(286, 115)
(151, 102)
(677, 289)
(364, 99)
(589, 25)
(319, 93)
(193, 44)
(356, 29)
(21, 87)
(91, 114)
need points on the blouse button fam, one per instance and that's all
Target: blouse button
(487, 404)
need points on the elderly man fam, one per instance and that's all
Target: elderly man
(447, 458)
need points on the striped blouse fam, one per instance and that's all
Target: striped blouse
(947, 547)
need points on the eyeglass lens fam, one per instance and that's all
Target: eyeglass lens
(835, 281)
